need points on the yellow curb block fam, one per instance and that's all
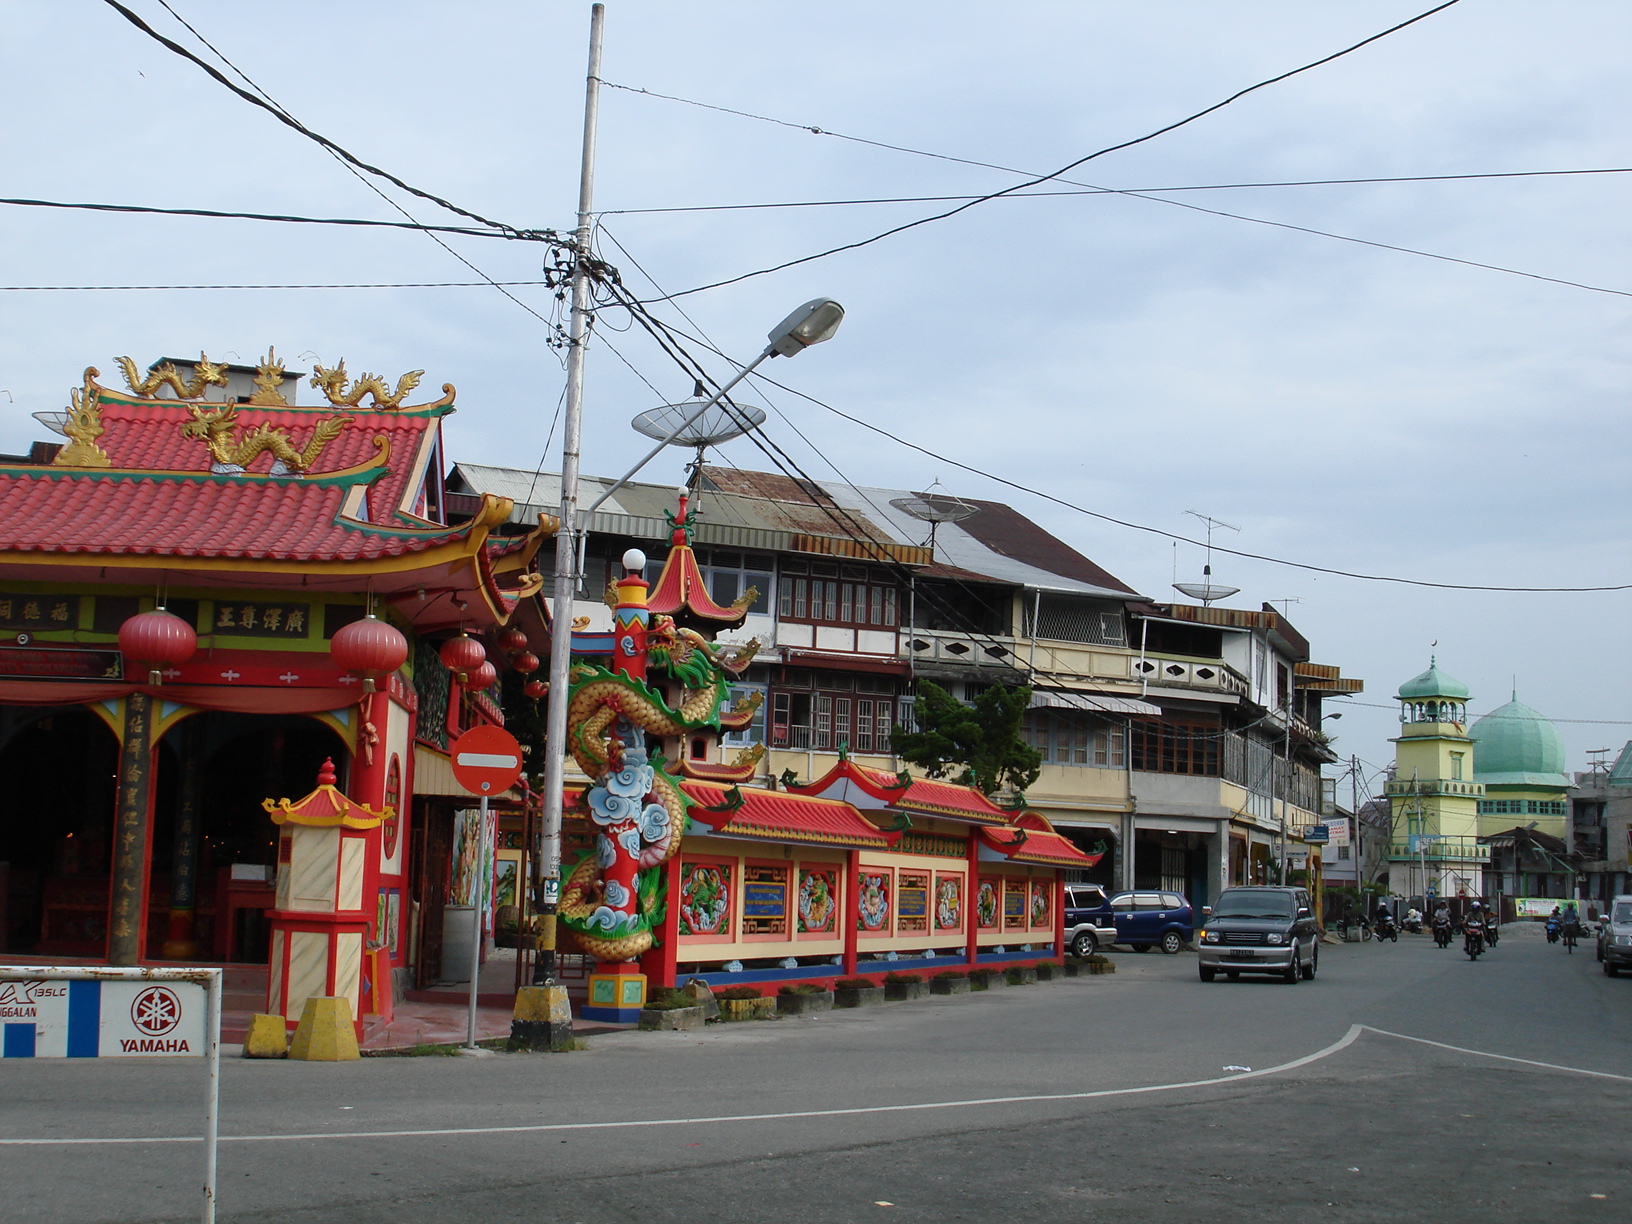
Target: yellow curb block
(325, 1032)
(268, 1037)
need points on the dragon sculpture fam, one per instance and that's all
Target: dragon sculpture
(232, 449)
(612, 898)
(333, 385)
(206, 373)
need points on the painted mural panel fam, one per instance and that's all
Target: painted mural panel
(874, 887)
(1016, 904)
(818, 901)
(912, 901)
(986, 904)
(948, 902)
(705, 899)
(765, 900)
(1042, 908)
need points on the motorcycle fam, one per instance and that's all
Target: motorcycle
(1442, 933)
(1385, 928)
(1473, 940)
(1554, 929)
(1414, 925)
(1492, 933)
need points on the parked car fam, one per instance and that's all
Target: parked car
(1260, 929)
(1146, 920)
(1088, 926)
(1615, 936)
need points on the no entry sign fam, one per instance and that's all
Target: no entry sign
(486, 760)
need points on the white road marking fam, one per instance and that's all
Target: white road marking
(1342, 1043)
(1529, 1062)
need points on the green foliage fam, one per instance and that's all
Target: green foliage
(669, 999)
(738, 992)
(976, 745)
(893, 976)
(801, 988)
(855, 983)
(949, 975)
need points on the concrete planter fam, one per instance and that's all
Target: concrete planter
(678, 1018)
(900, 992)
(1020, 977)
(987, 981)
(804, 1004)
(948, 986)
(1047, 973)
(762, 1008)
(868, 996)
(1107, 967)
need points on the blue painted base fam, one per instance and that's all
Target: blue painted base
(611, 1015)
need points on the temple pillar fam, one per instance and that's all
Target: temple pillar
(852, 910)
(180, 943)
(132, 835)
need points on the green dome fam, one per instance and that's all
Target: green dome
(1433, 683)
(1516, 746)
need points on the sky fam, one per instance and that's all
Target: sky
(1345, 406)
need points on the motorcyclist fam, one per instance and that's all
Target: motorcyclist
(1472, 924)
(1413, 920)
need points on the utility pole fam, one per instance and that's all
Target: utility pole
(1359, 827)
(1286, 789)
(542, 1027)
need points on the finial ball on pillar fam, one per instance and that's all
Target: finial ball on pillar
(634, 561)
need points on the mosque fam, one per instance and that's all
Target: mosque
(1477, 810)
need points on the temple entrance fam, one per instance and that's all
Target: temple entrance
(58, 768)
(214, 847)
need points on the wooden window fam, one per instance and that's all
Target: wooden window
(864, 725)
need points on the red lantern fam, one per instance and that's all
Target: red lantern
(512, 639)
(461, 654)
(371, 648)
(525, 662)
(535, 689)
(482, 677)
(157, 639)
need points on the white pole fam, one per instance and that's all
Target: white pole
(555, 719)
(212, 1072)
(483, 853)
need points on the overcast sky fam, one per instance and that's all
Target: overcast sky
(1345, 406)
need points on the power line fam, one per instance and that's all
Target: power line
(284, 117)
(465, 230)
(1093, 191)
(952, 212)
(481, 284)
(1068, 505)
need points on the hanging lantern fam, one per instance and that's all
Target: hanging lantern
(481, 677)
(156, 640)
(512, 640)
(461, 654)
(535, 689)
(371, 648)
(525, 662)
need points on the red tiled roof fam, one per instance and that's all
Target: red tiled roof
(145, 434)
(780, 816)
(1047, 849)
(60, 510)
(920, 795)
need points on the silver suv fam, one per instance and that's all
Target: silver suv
(1260, 930)
(1615, 935)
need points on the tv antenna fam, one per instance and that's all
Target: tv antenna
(1207, 590)
(934, 508)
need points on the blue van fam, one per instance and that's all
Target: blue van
(1152, 919)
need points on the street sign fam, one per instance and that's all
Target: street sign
(1421, 841)
(1317, 834)
(1338, 830)
(486, 760)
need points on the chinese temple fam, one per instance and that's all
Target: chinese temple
(237, 637)
(213, 598)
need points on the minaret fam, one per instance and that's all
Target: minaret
(1433, 799)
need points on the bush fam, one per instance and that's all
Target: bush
(952, 974)
(893, 976)
(669, 1000)
(738, 992)
(855, 983)
(801, 988)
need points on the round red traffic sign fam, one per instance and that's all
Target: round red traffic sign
(486, 760)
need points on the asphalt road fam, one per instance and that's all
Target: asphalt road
(1110, 1098)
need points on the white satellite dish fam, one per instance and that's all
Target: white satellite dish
(56, 422)
(1207, 590)
(934, 509)
(720, 423)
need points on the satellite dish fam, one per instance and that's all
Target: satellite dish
(56, 422)
(1205, 591)
(933, 508)
(720, 423)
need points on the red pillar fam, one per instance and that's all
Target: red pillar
(852, 909)
(1059, 913)
(971, 913)
(661, 963)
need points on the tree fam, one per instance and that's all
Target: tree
(980, 743)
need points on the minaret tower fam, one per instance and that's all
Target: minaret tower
(1433, 799)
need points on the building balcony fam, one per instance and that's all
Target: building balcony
(962, 650)
(1185, 672)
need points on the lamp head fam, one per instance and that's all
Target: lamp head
(812, 323)
(634, 561)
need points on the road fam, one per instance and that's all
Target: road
(1097, 1099)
